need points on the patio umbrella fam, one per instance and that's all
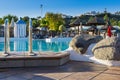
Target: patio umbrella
(95, 21)
(109, 33)
(78, 22)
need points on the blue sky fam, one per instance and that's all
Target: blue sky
(31, 8)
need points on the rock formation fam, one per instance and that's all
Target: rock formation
(81, 42)
(107, 49)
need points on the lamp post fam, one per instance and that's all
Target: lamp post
(41, 8)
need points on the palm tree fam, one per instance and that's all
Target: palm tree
(61, 29)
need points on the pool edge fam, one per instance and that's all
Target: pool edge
(34, 61)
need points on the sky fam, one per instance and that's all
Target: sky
(32, 8)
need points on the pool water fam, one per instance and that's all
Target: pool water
(38, 45)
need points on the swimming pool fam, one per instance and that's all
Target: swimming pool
(38, 45)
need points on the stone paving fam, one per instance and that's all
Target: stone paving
(72, 70)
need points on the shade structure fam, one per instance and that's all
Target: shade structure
(77, 22)
(106, 27)
(108, 24)
(6, 37)
(95, 21)
(81, 28)
(91, 29)
(30, 36)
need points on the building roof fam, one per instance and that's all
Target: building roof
(20, 22)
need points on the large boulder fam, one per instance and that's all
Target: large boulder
(81, 42)
(107, 49)
(94, 39)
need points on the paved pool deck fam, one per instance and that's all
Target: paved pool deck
(73, 70)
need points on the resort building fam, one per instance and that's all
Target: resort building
(20, 29)
(1, 30)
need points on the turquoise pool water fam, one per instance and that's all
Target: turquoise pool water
(38, 45)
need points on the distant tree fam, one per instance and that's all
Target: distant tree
(62, 28)
(119, 23)
(117, 13)
(25, 18)
(44, 23)
(91, 19)
(106, 18)
(39, 17)
(9, 17)
(67, 21)
(54, 20)
(35, 23)
(113, 22)
(1, 21)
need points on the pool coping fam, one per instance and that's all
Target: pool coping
(40, 59)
